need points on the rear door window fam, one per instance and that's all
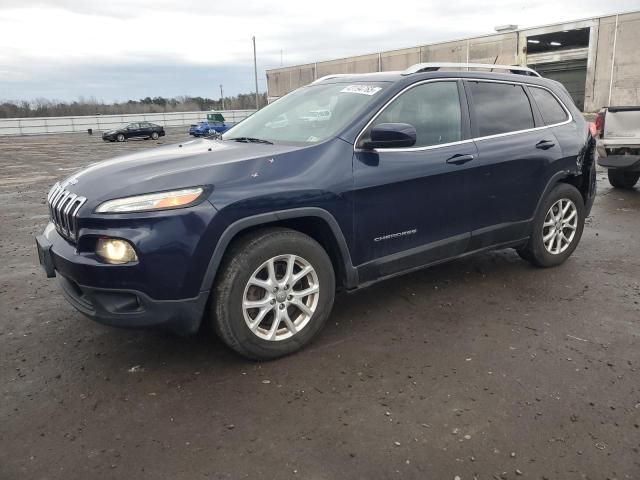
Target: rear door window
(500, 108)
(550, 109)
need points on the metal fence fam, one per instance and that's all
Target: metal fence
(45, 125)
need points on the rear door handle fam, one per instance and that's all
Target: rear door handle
(459, 159)
(545, 144)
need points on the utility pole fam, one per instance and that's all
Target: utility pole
(222, 96)
(255, 71)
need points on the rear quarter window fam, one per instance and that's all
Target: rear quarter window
(500, 108)
(550, 109)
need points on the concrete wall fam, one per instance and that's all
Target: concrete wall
(625, 82)
(445, 52)
(285, 80)
(359, 64)
(507, 48)
(501, 49)
(281, 81)
(399, 59)
(498, 48)
(44, 125)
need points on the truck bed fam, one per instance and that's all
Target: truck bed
(621, 126)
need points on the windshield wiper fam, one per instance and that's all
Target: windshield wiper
(251, 140)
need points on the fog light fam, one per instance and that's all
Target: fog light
(115, 250)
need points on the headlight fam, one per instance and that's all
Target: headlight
(151, 201)
(115, 250)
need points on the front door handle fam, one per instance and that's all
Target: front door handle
(459, 159)
(545, 144)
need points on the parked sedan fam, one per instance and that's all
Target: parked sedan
(144, 130)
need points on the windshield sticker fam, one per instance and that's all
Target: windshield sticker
(361, 89)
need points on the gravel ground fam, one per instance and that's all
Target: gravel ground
(484, 367)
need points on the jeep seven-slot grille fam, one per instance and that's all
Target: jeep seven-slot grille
(63, 209)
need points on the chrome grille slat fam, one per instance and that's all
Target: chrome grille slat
(63, 208)
(61, 212)
(56, 207)
(54, 199)
(67, 221)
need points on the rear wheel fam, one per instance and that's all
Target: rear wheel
(557, 228)
(274, 293)
(623, 178)
(154, 135)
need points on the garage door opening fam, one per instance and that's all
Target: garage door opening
(562, 56)
(557, 41)
(571, 73)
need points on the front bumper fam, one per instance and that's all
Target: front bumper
(133, 309)
(163, 289)
(122, 307)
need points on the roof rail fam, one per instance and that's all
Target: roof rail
(432, 67)
(368, 74)
(327, 77)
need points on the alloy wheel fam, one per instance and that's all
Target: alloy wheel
(559, 227)
(280, 297)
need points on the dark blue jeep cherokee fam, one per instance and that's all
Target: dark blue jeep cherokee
(339, 184)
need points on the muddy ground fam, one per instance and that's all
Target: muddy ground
(484, 367)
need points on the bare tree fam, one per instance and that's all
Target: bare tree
(43, 107)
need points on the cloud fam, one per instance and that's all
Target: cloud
(65, 46)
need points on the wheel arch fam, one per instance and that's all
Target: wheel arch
(317, 223)
(579, 181)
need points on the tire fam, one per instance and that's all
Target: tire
(121, 137)
(248, 260)
(556, 249)
(154, 135)
(623, 178)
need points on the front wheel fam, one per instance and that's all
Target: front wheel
(121, 137)
(274, 292)
(623, 178)
(557, 228)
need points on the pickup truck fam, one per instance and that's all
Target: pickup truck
(215, 124)
(618, 144)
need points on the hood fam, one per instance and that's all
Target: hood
(191, 163)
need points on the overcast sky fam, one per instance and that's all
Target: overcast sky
(127, 49)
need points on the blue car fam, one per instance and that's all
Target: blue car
(214, 125)
(254, 233)
(203, 129)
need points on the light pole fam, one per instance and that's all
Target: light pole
(222, 96)
(255, 71)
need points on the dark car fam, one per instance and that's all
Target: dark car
(255, 232)
(143, 130)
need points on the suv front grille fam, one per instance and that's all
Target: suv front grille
(63, 209)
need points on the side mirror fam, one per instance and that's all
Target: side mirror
(391, 135)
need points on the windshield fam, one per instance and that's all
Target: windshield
(308, 115)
